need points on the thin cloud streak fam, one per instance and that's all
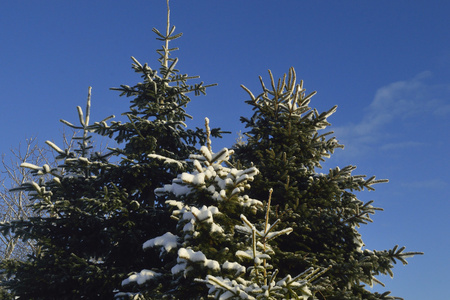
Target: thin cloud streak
(403, 145)
(434, 183)
(392, 106)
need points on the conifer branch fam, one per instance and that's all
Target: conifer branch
(208, 134)
(88, 107)
(166, 51)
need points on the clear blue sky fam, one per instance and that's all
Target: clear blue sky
(386, 64)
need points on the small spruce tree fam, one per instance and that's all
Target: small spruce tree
(79, 219)
(286, 144)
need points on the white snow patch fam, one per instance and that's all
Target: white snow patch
(217, 228)
(176, 189)
(197, 257)
(167, 160)
(195, 179)
(206, 153)
(189, 254)
(189, 226)
(234, 266)
(178, 268)
(141, 277)
(167, 240)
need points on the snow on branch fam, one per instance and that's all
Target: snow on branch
(167, 160)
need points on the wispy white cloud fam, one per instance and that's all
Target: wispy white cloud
(393, 105)
(434, 183)
(401, 145)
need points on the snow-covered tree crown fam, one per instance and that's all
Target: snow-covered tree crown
(215, 243)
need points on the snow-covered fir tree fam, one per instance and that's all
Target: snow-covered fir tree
(156, 137)
(215, 251)
(97, 214)
(260, 281)
(286, 143)
(190, 217)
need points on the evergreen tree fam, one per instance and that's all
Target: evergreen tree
(80, 219)
(94, 215)
(155, 136)
(207, 234)
(214, 242)
(286, 144)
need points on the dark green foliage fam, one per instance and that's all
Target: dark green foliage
(209, 202)
(156, 125)
(96, 214)
(85, 233)
(286, 144)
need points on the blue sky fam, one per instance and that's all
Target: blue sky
(386, 64)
